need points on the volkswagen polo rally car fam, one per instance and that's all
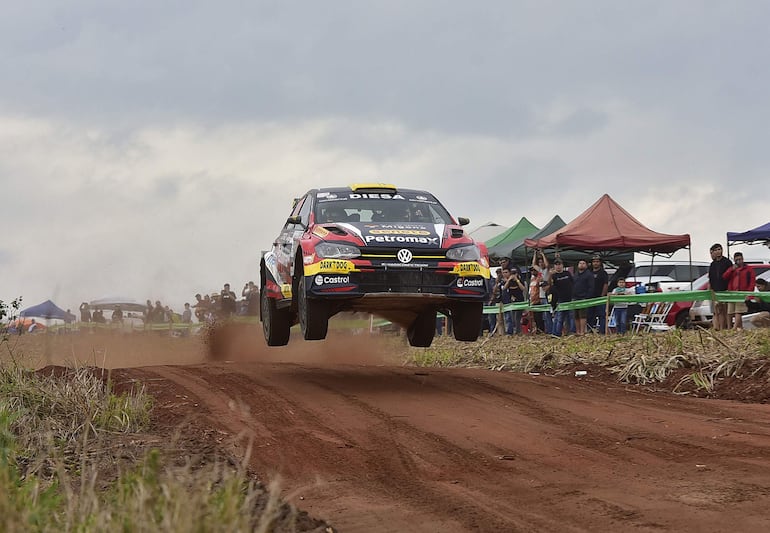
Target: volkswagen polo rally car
(373, 248)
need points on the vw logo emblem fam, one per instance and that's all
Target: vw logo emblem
(404, 255)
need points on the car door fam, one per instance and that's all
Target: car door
(289, 240)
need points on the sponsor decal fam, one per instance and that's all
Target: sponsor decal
(406, 265)
(330, 266)
(470, 282)
(320, 232)
(286, 290)
(382, 196)
(470, 268)
(405, 239)
(399, 232)
(405, 225)
(308, 259)
(332, 280)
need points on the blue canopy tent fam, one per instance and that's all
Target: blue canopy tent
(47, 309)
(759, 234)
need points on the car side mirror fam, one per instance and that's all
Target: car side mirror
(463, 221)
(295, 220)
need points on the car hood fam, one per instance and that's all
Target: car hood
(397, 234)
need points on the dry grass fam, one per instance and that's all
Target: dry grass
(642, 359)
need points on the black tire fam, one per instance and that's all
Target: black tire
(466, 320)
(421, 331)
(683, 320)
(313, 314)
(276, 323)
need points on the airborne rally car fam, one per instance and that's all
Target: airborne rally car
(374, 248)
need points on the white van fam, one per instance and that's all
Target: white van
(666, 275)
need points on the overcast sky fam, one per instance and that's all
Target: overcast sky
(152, 149)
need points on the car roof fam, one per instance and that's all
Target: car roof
(670, 262)
(381, 188)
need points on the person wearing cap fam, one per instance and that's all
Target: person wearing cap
(597, 315)
(561, 292)
(719, 265)
(739, 277)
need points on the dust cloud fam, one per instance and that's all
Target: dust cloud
(242, 343)
(227, 343)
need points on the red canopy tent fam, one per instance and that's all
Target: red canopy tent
(607, 226)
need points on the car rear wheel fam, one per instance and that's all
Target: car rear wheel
(313, 314)
(421, 331)
(276, 323)
(683, 320)
(466, 320)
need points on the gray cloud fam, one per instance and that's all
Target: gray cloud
(156, 146)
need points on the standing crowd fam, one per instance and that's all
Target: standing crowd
(552, 285)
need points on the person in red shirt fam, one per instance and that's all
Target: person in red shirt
(739, 277)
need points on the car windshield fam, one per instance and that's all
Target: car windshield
(345, 209)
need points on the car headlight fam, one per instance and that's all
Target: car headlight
(464, 253)
(330, 250)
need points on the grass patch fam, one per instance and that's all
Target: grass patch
(76, 456)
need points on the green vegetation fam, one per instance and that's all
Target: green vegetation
(75, 456)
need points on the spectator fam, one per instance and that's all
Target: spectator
(33, 327)
(227, 301)
(85, 312)
(117, 315)
(583, 289)
(187, 314)
(494, 300)
(149, 312)
(535, 279)
(251, 296)
(158, 313)
(739, 277)
(98, 317)
(540, 263)
(620, 309)
(762, 308)
(717, 269)
(597, 315)
(201, 308)
(561, 285)
(516, 290)
(503, 289)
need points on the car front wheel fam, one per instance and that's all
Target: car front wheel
(313, 314)
(421, 331)
(466, 320)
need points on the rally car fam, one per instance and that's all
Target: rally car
(373, 248)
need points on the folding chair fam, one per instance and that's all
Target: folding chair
(642, 320)
(657, 320)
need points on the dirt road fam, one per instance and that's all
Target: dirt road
(389, 448)
(372, 446)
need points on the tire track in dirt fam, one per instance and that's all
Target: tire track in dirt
(400, 449)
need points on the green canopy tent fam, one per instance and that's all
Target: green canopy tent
(522, 254)
(519, 252)
(501, 245)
